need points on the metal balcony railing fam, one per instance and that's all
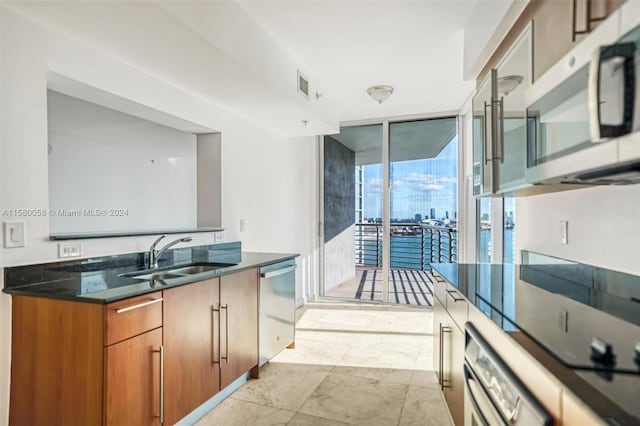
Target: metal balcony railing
(412, 245)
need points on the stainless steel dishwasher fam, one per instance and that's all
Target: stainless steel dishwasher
(277, 308)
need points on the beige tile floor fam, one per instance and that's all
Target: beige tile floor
(352, 365)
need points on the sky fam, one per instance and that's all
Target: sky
(416, 186)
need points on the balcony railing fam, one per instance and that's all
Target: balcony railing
(412, 245)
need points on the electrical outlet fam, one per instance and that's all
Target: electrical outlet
(218, 236)
(14, 234)
(563, 320)
(69, 249)
(564, 232)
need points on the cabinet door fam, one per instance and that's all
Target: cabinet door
(552, 34)
(238, 324)
(133, 379)
(514, 78)
(439, 316)
(192, 347)
(454, 393)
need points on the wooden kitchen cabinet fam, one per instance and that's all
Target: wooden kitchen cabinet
(137, 361)
(133, 379)
(192, 346)
(238, 325)
(553, 22)
(57, 358)
(210, 339)
(64, 373)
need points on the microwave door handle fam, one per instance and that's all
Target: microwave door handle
(594, 96)
(598, 130)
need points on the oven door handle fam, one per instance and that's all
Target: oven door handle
(479, 400)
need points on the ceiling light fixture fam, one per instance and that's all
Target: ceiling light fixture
(509, 83)
(380, 93)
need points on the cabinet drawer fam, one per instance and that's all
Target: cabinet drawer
(457, 306)
(440, 288)
(130, 317)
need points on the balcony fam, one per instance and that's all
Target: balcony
(413, 248)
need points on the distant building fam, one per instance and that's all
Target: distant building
(432, 214)
(418, 217)
(446, 214)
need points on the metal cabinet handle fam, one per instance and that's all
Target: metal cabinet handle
(453, 294)
(501, 131)
(485, 144)
(278, 272)
(443, 329)
(161, 402)
(213, 335)
(139, 305)
(226, 325)
(588, 20)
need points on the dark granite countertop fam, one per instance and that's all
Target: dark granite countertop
(525, 301)
(103, 281)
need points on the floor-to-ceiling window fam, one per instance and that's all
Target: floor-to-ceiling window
(402, 181)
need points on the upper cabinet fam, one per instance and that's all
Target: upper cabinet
(553, 109)
(499, 122)
(560, 24)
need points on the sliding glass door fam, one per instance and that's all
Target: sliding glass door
(422, 205)
(389, 209)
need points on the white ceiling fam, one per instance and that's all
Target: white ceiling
(415, 46)
(243, 55)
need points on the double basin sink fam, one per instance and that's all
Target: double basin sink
(167, 273)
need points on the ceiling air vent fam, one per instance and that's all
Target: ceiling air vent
(303, 85)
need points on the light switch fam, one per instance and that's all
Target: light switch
(14, 234)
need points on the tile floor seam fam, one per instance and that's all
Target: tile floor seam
(378, 378)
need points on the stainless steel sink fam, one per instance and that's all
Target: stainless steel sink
(197, 269)
(183, 271)
(158, 276)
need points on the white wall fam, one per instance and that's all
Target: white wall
(267, 180)
(604, 229)
(141, 173)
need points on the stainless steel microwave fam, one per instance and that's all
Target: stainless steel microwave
(583, 115)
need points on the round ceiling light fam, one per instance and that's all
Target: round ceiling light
(509, 83)
(380, 93)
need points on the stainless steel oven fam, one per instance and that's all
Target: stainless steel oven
(493, 394)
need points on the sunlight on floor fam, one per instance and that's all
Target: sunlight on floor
(355, 365)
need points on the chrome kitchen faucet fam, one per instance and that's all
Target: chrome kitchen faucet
(154, 254)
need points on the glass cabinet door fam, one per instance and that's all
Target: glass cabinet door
(482, 183)
(514, 78)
